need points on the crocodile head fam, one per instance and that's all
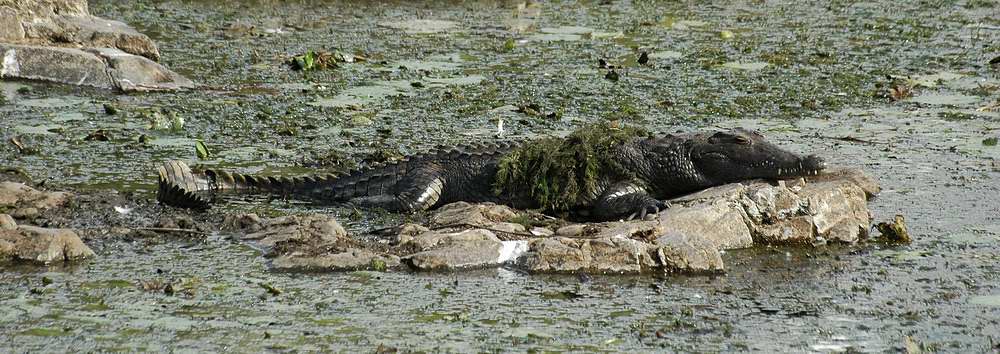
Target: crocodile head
(741, 154)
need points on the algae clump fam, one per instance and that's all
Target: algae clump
(559, 174)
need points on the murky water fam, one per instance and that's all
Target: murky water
(812, 76)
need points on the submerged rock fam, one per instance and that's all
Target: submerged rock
(42, 245)
(58, 40)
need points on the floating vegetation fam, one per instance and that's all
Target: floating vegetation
(562, 173)
(894, 231)
(321, 60)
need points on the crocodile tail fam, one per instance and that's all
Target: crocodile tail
(179, 186)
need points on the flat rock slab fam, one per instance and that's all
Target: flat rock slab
(432, 250)
(106, 68)
(59, 41)
(68, 22)
(41, 245)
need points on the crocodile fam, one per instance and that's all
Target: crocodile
(654, 168)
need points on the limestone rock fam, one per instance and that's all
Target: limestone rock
(838, 210)
(103, 68)
(42, 245)
(68, 22)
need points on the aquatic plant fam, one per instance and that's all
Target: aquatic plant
(556, 173)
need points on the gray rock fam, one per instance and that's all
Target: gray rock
(10, 25)
(855, 175)
(541, 232)
(838, 210)
(474, 248)
(42, 245)
(407, 232)
(572, 230)
(350, 259)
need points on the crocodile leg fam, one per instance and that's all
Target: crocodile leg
(419, 189)
(626, 200)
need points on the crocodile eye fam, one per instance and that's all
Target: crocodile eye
(727, 138)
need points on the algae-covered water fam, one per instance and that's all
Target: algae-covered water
(813, 76)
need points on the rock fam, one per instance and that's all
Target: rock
(732, 192)
(350, 259)
(448, 251)
(68, 22)
(509, 228)
(407, 232)
(10, 25)
(249, 222)
(690, 254)
(838, 210)
(571, 230)
(58, 40)
(7, 222)
(102, 67)
(31, 243)
(854, 175)
(477, 215)
(290, 233)
(721, 221)
(27, 201)
(601, 255)
(541, 232)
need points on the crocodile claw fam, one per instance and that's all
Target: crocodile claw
(648, 208)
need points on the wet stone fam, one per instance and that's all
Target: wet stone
(474, 248)
(600, 255)
(42, 245)
(680, 252)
